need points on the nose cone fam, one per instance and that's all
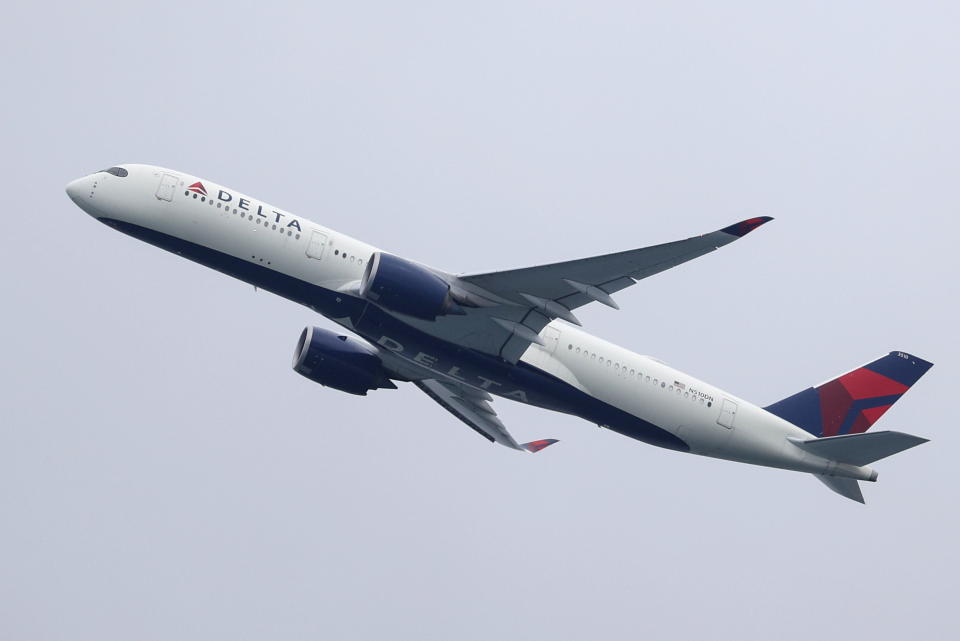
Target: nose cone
(82, 192)
(78, 190)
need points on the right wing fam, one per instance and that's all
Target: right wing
(473, 408)
(577, 282)
(524, 300)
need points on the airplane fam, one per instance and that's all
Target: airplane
(465, 338)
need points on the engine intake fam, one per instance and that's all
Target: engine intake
(339, 362)
(407, 288)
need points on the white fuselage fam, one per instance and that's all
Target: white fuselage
(710, 421)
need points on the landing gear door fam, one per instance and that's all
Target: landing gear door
(167, 187)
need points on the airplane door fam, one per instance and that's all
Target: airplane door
(728, 412)
(166, 188)
(551, 336)
(317, 242)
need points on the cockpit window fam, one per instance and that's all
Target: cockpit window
(116, 171)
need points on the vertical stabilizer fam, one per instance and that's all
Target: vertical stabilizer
(853, 402)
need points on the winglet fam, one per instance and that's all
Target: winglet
(536, 446)
(744, 227)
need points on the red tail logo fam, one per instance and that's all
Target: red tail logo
(198, 188)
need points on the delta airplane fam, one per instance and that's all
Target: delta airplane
(464, 339)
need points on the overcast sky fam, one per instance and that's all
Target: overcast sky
(165, 475)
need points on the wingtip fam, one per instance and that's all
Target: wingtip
(744, 227)
(536, 446)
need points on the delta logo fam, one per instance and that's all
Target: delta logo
(250, 209)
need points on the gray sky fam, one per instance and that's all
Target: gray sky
(165, 475)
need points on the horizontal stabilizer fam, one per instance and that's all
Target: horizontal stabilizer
(849, 488)
(859, 449)
(536, 446)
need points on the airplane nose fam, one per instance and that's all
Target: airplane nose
(78, 190)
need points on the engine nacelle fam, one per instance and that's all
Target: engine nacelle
(407, 288)
(339, 362)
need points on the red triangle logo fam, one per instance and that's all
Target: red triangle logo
(198, 187)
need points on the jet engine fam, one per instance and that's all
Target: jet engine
(339, 362)
(407, 288)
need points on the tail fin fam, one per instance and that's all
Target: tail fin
(852, 403)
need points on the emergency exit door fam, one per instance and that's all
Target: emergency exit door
(318, 241)
(728, 412)
(551, 337)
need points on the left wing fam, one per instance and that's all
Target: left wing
(472, 406)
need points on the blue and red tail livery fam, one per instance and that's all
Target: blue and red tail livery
(852, 403)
